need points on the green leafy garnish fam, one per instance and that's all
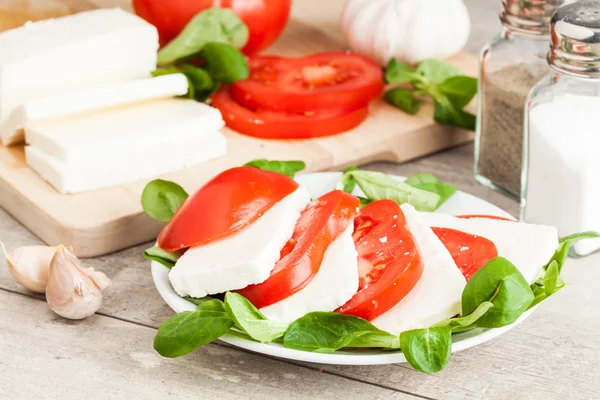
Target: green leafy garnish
(574, 238)
(224, 62)
(427, 350)
(430, 183)
(347, 183)
(161, 199)
(469, 321)
(250, 320)
(450, 90)
(287, 168)
(166, 258)
(212, 25)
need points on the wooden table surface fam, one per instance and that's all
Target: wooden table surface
(552, 355)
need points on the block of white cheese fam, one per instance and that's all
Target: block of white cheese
(437, 294)
(80, 51)
(529, 247)
(244, 258)
(334, 284)
(124, 144)
(11, 130)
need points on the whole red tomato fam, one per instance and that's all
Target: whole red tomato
(265, 18)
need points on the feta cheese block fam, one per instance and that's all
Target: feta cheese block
(241, 259)
(11, 130)
(76, 52)
(529, 247)
(437, 294)
(334, 284)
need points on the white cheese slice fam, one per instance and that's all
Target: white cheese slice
(81, 51)
(107, 134)
(242, 259)
(529, 247)
(437, 294)
(11, 130)
(124, 167)
(334, 284)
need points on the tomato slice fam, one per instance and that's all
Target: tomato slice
(319, 225)
(470, 252)
(317, 82)
(389, 262)
(281, 125)
(485, 216)
(229, 202)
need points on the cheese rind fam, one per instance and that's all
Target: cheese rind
(437, 294)
(11, 131)
(244, 258)
(81, 51)
(334, 284)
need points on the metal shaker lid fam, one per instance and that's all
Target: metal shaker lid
(530, 16)
(575, 39)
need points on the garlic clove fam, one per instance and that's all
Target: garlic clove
(29, 265)
(73, 292)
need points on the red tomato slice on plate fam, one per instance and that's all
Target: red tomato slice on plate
(469, 252)
(389, 262)
(281, 125)
(319, 225)
(485, 216)
(317, 82)
(232, 200)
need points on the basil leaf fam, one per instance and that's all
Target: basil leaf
(287, 168)
(430, 183)
(402, 99)
(446, 113)
(399, 72)
(574, 238)
(186, 331)
(364, 201)
(500, 283)
(161, 199)
(437, 71)
(250, 320)
(460, 90)
(549, 284)
(380, 340)
(347, 183)
(377, 186)
(166, 258)
(224, 62)
(468, 321)
(427, 350)
(211, 25)
(201, 300)
(201, 84)
(326, 332)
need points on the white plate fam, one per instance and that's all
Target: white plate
(319, 184)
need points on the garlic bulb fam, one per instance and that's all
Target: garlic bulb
(74, 292)
(29, 265)
(407, 30)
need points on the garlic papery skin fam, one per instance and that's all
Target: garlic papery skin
(29, 265)
(74, 292)
(407, 30)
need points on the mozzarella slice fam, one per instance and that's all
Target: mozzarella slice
(334, 284)
(529, 247)
(80, 51)
(242, 259)
(437, 294)
(11, 131)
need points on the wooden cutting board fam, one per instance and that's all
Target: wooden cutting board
(102, 221)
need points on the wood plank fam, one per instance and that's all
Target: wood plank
(45, 356)
(103, 221)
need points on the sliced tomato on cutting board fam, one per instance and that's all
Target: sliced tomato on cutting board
(319, 225)
(389, 262)
(229, 202)
(316, 82)
(470, 252)
(282, 125)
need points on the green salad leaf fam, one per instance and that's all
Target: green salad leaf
(427, 350)
(161, 199)
(224, 62)
(403, 99)
(212, 25)
(166, 258)
(200, 84)
(437, 71)
(399, 72)
(574, 238)
(430, 183)
(288, 168)
(250, 320)
(347, 183)
(469, 321)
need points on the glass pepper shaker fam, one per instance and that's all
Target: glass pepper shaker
(561, 143)
(509, 67)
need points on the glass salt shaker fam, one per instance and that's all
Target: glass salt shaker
(561, 144)
(509, 67)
